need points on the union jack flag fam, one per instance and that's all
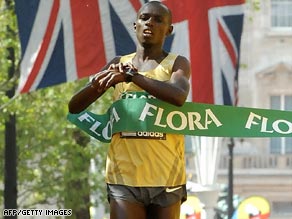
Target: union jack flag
(64, 40)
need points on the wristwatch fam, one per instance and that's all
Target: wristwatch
(129, 74)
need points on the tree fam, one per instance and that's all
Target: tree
(10, 150)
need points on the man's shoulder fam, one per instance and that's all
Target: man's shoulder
(127, 57)
(181, 59)
(175, 56)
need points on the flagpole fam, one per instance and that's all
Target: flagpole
(230, 179)
(10, 150)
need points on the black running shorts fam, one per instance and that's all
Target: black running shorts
(161, 196)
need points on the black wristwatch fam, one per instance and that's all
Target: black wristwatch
(129, 74)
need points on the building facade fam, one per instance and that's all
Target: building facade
(263, 166)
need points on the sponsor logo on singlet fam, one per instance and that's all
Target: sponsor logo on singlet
(136, 95)
(144, 135)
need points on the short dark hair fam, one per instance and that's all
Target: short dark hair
(160, 4)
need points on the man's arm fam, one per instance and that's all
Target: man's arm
(174, 91)
(92, 91)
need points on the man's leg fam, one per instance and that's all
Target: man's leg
(169, 212)
(121, 209)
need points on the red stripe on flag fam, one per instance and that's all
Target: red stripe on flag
(220, 3)
(200, 54)
(44, 47)
(196, 13)
(227, 44)
(136, 4)
(181, 10)
(88, 38)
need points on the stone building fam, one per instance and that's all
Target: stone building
(263, 166)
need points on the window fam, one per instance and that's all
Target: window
(281, 145)
(282, 208)
(281, 14)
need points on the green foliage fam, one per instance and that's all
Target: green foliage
(254, 7)
(8, 39)
(255, 4)
(47, 148)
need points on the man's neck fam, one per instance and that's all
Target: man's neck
(146, 59)
(149, 52)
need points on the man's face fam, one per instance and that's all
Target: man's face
(153, 24)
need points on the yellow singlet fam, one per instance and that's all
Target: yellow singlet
(146, 158)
